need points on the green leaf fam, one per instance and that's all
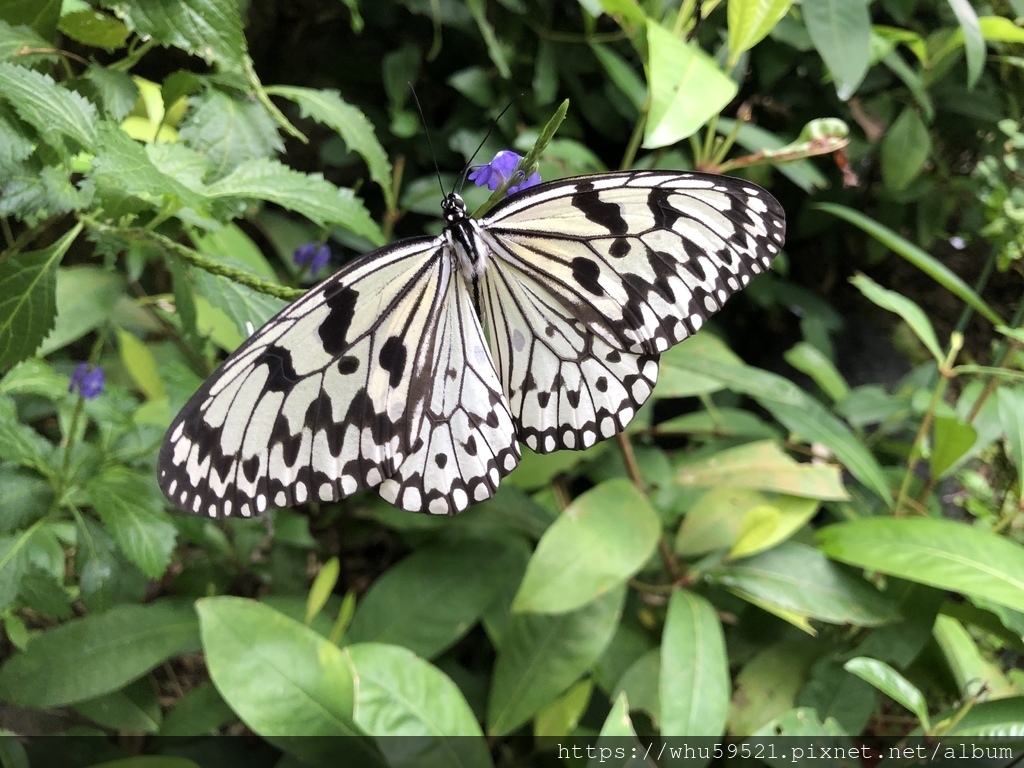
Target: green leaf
(117, 90)
(326, 106)
(892, 684)
(21, 444)
(800, 580)
(767, 685)
(141, 365)
(308, 194)
(563, 714)
(54, 111)
(921, 259)
(281, 678)
(541, 655)
(89, 657)
(617, 726)
(841, 32)
(245, 308)
(93, 28)
(599, 542)
(694, 685)
(17, 38)
(433, 597)
(621, 73)
(1011, 413)
(134, 709)
(974, 42)
(399, 694)
(911, 313)
(210, 29)
(968, 665)
(123, 168)
(750, 21)
(201, 710)
(14, 564)
(28, 293)
(86, 298)
(941, 553)
(989, 718)
(686, 88)
(952, 440)
(762, 465)
(905, 148)
(131, 508)
(42, 16)
(810, 360)
(494, 45)
(322, 588)
(28, 497)
(228, 131)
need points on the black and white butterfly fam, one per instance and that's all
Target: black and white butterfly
(383, 377)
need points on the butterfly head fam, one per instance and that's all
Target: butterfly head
(453, 209)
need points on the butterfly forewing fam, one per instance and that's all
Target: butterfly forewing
(382, 376)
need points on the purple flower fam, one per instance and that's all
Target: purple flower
(87, 381)
(313, 255)
(500, 170)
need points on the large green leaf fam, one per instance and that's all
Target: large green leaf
(54, 111)
(399, 694)
(282, 678)
(229, 131)
(600, 541)
(841, 32)
(686, 88)
(941, 553)
(433, 597)
(798, 579)
(540, 655)
(28, 291)
(89, 657)
(694, 685)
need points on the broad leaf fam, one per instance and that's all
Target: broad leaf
(89, 657)
(599, 542)
(841, 31)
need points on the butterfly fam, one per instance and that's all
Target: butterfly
(383, 376)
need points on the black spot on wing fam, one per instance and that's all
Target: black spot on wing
(348, 365)
(250, 467)
(341, 301)
(586, 273)
(588, 201)
(281, 376)
(392, 360)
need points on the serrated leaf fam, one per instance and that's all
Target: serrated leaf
(28, 290)
(34, 192)
(131, 508)
(326, 106)
(117, 90)
(21, 444)
(89, 657)
(308, 194)
(123, 168)
(211, 29)
(54, 111)
(86, 298)
(16, 39)
(229, 130)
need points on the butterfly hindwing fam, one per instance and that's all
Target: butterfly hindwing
(593, 277)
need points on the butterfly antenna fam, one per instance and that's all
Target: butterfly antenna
(430, 144)
(494, 124)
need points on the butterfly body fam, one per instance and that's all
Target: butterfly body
(382, 377)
